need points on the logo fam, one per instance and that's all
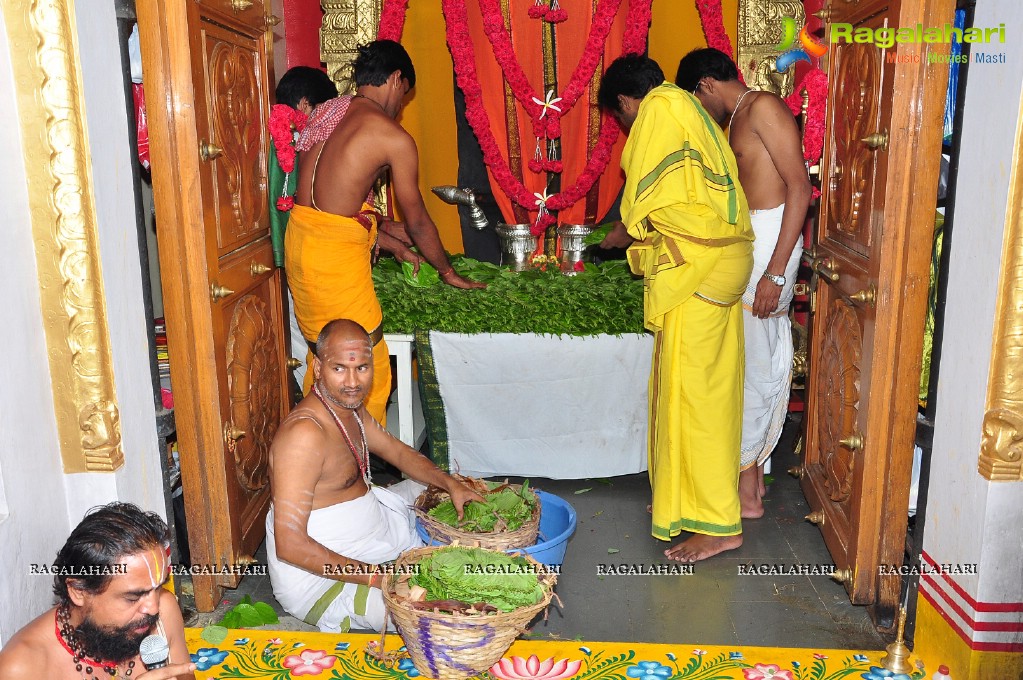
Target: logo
(809, 47)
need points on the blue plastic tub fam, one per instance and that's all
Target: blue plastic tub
(557, 523)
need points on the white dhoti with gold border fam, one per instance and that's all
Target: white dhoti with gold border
(768, 346)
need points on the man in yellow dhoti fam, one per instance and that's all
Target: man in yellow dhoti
(685, 219)
(333, 230)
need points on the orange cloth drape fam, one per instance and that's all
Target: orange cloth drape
(576, 135)
(429, 117)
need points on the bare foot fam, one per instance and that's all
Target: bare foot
(760, 480)
(750, 505)
(701, 546)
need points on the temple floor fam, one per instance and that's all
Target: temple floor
(720, 608)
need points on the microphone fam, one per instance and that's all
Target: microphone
(154, 651)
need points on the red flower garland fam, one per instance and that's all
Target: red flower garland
(392, 20)
(500, 41)
(815, 82)
(461, 46)
(714, 25)
(284, 123)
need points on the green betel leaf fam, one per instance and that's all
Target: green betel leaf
(598, 234)
(214, 634)
(246, 599)
(266, 613)
(232, 619)
(427, 276)
(249, 616)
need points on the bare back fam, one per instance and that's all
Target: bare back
(765, 139)
(350, 160)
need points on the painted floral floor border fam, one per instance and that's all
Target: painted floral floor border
(281, 655)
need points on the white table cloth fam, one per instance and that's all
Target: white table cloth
(544, 406)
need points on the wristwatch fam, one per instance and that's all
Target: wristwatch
(775, 279)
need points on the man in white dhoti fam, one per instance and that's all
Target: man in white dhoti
(765, 138)
(328, 528)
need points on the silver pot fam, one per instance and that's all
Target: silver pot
(572, 247)
(517, 244)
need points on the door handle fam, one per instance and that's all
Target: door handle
(853, 442)
(208, 151)
(877, 140)
(293, 363)
(219, 292)
(843, 576)
(867, 296)
(232, 434)
(258, 268)
(240, 5)
(816, 517)
(823, 266)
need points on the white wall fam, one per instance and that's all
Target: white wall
(139, 481)
(971, 520)
(31, 473)
(42, 504)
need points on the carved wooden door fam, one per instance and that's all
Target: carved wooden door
(208, 78)
(870, 257)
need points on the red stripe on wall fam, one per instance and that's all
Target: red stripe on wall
(990, 626)
(977, 606)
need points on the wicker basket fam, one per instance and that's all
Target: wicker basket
(523, 537)
(456, 646)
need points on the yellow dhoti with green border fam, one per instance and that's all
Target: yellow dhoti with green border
(328, 259)
(683, 204)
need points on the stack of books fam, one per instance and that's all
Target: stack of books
(162, 357)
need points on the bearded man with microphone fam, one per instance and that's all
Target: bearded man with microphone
(108, 581)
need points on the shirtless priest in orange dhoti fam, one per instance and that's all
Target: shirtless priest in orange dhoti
(333, 231)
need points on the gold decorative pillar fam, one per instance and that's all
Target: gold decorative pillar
(55, 147)
(346, 25)
(760, 31)
(1001, 449)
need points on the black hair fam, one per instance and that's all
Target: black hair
(328, 330)
(379, 59)
(305, 81)
(703, 63)
(107, 534)
(632, 75)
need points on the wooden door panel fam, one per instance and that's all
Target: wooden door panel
(879, 181)
(233, 79)
(253, 371)
(838, 474)
(208, 75)
(857, 88)
(251, 376)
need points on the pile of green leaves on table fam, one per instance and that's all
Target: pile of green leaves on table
(476, 575)
(505, 509)
(601, 299)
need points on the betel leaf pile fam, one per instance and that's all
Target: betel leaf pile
(504, 509)
(477, 575)
(602, 299)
